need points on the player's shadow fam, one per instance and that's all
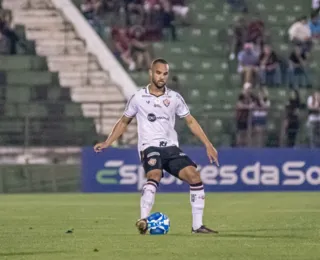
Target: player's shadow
(32, 253)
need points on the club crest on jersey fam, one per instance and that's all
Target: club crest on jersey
(166, 102)
(152, 162)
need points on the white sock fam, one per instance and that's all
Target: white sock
(147, 197)
(197, 198)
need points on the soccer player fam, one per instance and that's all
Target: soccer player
(155, 107)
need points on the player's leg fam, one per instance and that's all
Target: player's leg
(149, 191)
(147, 198)
(190, 175)
(152, 165)
(182, 167)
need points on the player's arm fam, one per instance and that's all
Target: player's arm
(118, 129)
(197, 130)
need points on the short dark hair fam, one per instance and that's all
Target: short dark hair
(163, 61)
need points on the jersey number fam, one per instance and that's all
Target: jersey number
(162, 144)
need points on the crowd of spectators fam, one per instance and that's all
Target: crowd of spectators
(252, 114)
(138, 23)
(261, 66)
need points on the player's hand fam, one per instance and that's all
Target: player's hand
(212, 154)
(99, 147)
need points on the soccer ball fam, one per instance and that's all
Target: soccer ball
(158, 224)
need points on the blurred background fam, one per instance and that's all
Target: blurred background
(248, 69)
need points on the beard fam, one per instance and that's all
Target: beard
(158, 84)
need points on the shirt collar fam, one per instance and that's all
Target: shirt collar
(165, 90)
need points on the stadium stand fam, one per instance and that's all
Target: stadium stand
(199, 60)
(52, 91)
(208, 79)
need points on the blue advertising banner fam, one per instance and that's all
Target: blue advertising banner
(119, 170)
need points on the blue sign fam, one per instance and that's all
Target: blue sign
(119, 170)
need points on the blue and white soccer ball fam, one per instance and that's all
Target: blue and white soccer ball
(158, 224)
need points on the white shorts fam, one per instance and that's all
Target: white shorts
(180, 10)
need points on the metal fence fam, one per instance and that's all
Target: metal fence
(39, 178)
(56, 127)
(225, 130)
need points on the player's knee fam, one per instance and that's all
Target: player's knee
(154, 175)
(193, 178)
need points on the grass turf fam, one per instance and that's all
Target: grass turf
(253, 226)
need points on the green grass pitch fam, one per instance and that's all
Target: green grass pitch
(253, 226)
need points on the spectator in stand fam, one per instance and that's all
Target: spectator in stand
(140, 49)
(314, 25)
(269, 67)
(300, 34)
(298, 68)
(259, 117)
(313, 123)
(109, 5)
(181, 10)
(151, 8)
(123, 47)
(134, 7)
(248, 63)
(292, 123)
(90, 10)
(243, 108)
(238, 5)
(256, 33)
(10, 37)
(169, 19)
(6, 16)
(4, 44)
(153, 19)
(238, 37)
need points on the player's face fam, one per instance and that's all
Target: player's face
(159, 74)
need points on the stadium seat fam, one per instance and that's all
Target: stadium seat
(32, 97)
(14, 77)
(22, 62)
(18, 94)
(73, 110)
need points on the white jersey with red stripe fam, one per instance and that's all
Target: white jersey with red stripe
(156, 117)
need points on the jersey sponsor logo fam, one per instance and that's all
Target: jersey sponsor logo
(193, 197)
(166, 102)
(148, 101)
(153, 154)
(163, 117)
(152, 162)
(152, 117)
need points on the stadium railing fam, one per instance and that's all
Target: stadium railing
(60, 128)
(39, 178)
